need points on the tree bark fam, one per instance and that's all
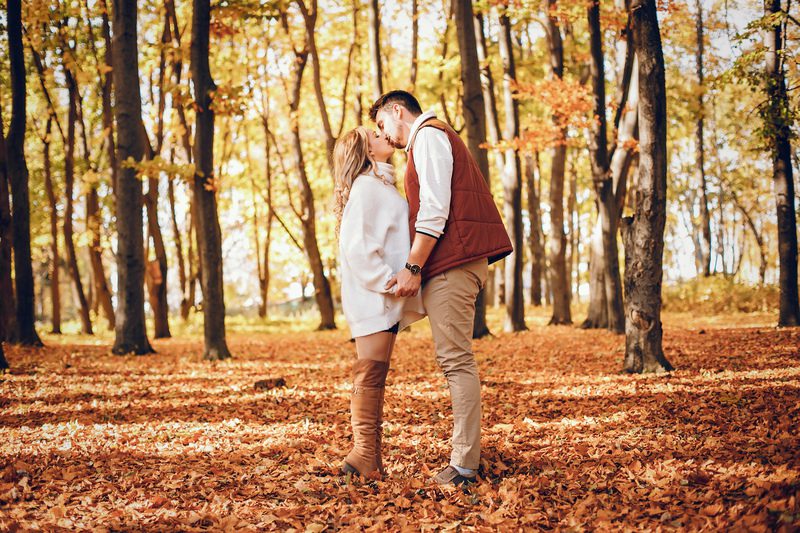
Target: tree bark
(489, 99)
(8, 306)
(558, 242)
(512, 186)
(55, 260)
(535, 243)
(414, 42)
(474, 122)
(374, 35)
(322, 290)
(158, 281)
(705, 218)
(17, 170)
(608, 211)
(644, 232)
(778, 121)
(310, 19)
(131, 332)
(209, 238)
(307, 212)
(69, 187)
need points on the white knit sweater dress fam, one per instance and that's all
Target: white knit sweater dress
(373, 246)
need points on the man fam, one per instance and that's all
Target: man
(456, 233)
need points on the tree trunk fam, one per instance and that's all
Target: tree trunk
(131, 332)
(108, 112)
(489, 99)
(705, 219)
(602, 178)
(558, 242)
(644, 232)
(414, 42)
(209, 239)
(779, 124)
(55, 260)
(8, 307)
(310, 19)
(17, 170)
(474, 122)
(375, 48)
(322, 289)
(158, 289)
(512, 187)
(535, 237)
(69, 186)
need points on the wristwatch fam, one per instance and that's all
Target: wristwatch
(415, 269)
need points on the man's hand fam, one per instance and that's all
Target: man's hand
(407, 283)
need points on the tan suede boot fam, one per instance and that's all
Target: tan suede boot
(366, 403)
(379, 435)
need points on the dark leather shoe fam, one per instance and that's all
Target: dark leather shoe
(450, 476)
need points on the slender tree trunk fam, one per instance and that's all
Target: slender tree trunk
(108, 113)
(474, 122)
(535, 237)
(209, 238)
(310, 19)
(322, 289)
(558, 242)
(158, 290)
(8, 306)
(705, 219)
(414, 42)
(131, 333)
(55, 292)
(602, 178)
(375, 47)
(512, 187)
(644, 232)
(779, 124)
(17, 170)
(69, 187)
(489, 99)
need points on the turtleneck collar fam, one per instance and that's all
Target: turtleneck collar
(385, 170)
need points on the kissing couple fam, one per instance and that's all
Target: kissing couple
(404, 258)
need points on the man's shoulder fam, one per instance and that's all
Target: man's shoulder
(432, 133)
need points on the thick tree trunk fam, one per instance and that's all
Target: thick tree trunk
(535, 243)
(602, 178)
(558, 242)
(131, 333)
(209, 238)
(705, 218)
(8, 307)
(374, 36)
(474, 122)
(779, 124)
(17, 170)
(512, 187)
(3, 362)
(644, 232)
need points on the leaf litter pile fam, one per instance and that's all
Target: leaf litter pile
(171, 442)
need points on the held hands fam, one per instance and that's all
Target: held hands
(405, 283)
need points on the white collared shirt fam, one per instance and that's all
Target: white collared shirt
(433, 160)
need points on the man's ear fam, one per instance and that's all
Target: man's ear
(398, 111)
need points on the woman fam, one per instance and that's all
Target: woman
(374, 242)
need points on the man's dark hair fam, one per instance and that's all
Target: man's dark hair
(404, 98)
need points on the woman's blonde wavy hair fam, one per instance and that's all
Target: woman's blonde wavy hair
(351, 158)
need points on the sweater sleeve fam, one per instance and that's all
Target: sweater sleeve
(362, 239)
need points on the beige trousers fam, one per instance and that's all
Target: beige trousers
(449, 299)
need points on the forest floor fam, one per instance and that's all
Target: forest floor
(170, 442)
